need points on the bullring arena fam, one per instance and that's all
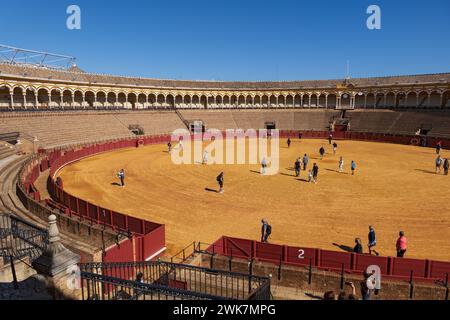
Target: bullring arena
(66, 133)
(395, 188)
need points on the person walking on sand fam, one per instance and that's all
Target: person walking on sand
(341, 165)
(220, 182)
(438, 164)
(401, 245)
(298, 166)
(372, 240)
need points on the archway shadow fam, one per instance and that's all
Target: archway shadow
(343, 247)
(211, 190)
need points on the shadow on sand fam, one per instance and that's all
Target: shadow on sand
(343, 247)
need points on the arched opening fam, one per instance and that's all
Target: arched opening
(435, 100)
(446, 99)
(289, 101)
(233, 101)
(265, 101)
(152, 100)
(282, 101)
(400, 100)
(219, 102)
(332, 101)
(203, 102)
(161, 100)
(411, 100)
(187, 102)
(101, 99)
(297, 101)
(142, 101)
(249, 101)
(19, 100)
(43, 98)
(390, 100)
(31, 98)
(423, 99)
(211, 101)
(306, 101)
(5, 98)
(196, 101)
(170, 101)
(379, 100)
(132, 99)
(226, 101)
(89, 98)
(314, 101)
(179, 101)
(370, 100)
(321, 102)
(67, 98)
(257, 102)
(111, 99)
(345, 100)
(55, 98)
(78, 98)
(273, 102)
(359, 100)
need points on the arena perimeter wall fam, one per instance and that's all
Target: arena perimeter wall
(392, 268)
(146, 240)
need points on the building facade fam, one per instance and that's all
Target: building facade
(34, 88)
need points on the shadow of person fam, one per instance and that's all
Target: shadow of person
(254, 171)
(343, 247)
(211, 190)
(426, 171)
(116, 184)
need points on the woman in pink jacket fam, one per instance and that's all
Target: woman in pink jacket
(401, 245)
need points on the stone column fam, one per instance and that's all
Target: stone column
(57, 265)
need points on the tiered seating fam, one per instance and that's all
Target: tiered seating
(6, 150)
(152, 122)
(313, 119)
(54, 130)
(216, 119)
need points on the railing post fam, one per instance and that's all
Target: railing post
(446, 287)
(342, 277)
(13, 270)
(310, 272)
(411, 285)
(279, 268)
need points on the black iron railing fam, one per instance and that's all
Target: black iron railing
(165, 280)
(20, 239)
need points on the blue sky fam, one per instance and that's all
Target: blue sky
(237, 40)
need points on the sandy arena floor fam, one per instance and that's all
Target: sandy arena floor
(394, 189)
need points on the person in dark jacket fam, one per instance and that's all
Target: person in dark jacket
(322, 152)
(446, 166)
(289, 142)
(305, 162)
(358, 246)
(315, 172)
(298, 166)
(372, 241)
(266, 230)
(121, 175)
(220, 182)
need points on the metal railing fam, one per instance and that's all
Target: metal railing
(20, 239)
(164, 280)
